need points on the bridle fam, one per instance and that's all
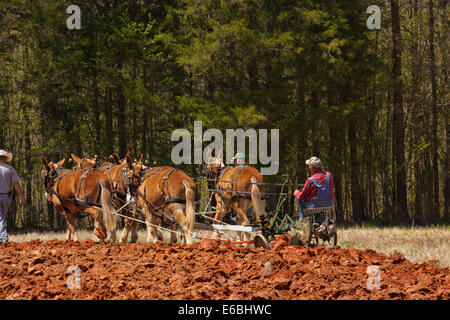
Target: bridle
(212, 176)
(50, 177)
(130, 176)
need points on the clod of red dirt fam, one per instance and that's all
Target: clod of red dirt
(281, 242)
(210, 270)
(208, 245)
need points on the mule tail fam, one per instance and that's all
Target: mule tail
(189, 211)
(256, 200)
(109, 218)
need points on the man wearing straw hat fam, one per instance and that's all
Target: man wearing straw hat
(8, 179)
(318, 191)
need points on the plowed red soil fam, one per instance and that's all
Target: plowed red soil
(37, 270)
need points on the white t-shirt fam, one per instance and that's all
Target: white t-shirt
(8, 176)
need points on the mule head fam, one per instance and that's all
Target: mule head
(49, 171)
(115, 158)
(83, 163)
(213, 166)
(133, 174)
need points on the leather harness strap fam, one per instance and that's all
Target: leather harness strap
(233, 183)
(169, 199)
(56, 180)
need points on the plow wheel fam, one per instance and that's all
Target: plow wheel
(261, 242)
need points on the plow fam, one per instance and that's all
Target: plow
(317, 225)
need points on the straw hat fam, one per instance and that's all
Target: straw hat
(314, 162)
(6, 154)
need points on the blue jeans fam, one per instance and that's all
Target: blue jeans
(4, 205)
(301, 206)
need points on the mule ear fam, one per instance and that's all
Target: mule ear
(93, 160)
(219, 155)
(141, 158)
(127, 155)
(60, 163)
(129, 161)
(45, 163)
(75, 158)
(115, 158)
(208, 155)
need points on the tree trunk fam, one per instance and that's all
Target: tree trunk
(447, 168)
(355, 181)
(417, 121)
(434, 115)
(335, 133)
(121, 130)
(96, 113)
(398, 148)
(446, 112)
(144, 119)
(29, 175)
(315, 104)
(109, 123)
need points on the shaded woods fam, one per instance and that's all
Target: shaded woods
(372, 104)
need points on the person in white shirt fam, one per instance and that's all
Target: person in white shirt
(8, 179)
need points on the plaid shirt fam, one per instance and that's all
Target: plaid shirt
(310, 190)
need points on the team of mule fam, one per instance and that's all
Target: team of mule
(163, 193)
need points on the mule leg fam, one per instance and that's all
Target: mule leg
(168, 211)
(113, 236)
(152, 232)
(220, 213)
(59, 208)
(124, 235)
(72, 220)
(129, 225)
(180, 217)
(68, 232)
(134, 234)
(98, 221)
(173, 235)
(241, 218)
(126, 228)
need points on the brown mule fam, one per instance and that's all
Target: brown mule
(116, 174)
(163, 192)
(75, 191)
(239, 186)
